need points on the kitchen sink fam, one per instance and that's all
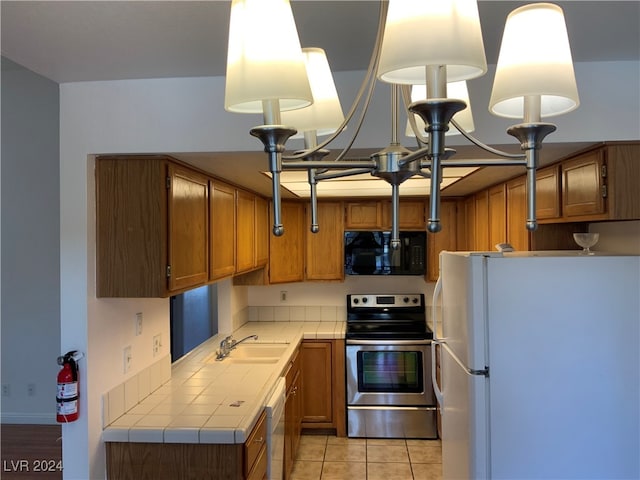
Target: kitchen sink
(251, 351)
(256, 353)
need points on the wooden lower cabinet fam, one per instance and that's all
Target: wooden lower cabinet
(323, 392)
(187, 461)
(292, 412)
(255, 451)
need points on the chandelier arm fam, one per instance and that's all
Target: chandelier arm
(487, 162)
(395, 209)
(313, 184)
(331, 164)
(345, 173)
(406, 98)
(367, 86)
(426, 175)
(484, 146)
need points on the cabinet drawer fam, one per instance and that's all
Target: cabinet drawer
(255, 443)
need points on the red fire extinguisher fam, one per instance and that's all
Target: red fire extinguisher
(68, 388)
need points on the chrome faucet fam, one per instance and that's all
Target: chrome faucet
(229, 343)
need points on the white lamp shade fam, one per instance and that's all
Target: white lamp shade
(324, 115)
(264, 59)
(535, 60)
(457, 90)
(431, 32)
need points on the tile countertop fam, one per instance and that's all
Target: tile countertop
(209, 401)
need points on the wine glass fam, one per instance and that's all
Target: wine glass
(586, 241)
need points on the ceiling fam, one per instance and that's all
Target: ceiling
(71, 41)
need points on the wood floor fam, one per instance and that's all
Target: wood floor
(31, 452)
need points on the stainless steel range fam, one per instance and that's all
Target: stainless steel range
(388, 368)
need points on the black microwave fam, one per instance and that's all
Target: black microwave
(370, 253)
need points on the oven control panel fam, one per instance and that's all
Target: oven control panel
(385, 301)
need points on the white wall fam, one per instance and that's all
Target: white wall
(618, 237)
(334, 294)
(187, 115)
(30, 244)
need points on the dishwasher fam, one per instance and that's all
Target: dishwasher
(275, 431)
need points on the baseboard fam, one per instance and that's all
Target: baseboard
(28, 418)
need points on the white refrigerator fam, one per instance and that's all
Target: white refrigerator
(539, 364)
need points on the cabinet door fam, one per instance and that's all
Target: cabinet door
(325, 249)
(188, 228)
(365, 215)
(497, 215)
(262, 232)
(470, 223)
(411, 215)
(317, 405)
(131, 227)
(245, 231)
(223, 230)
(481, 221)
(582, 185)
(286, 253)
(548, 193)
(517, 233)
(446, 239)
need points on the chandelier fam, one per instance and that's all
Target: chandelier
(432, 43)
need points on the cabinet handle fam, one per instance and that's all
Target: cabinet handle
(259, 440)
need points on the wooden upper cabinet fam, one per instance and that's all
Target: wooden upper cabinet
(325, 249)
(446, 239)
(286, 252)
(411, 213)
(364, 215)
(517, 233)
(222, 256)
(497, 215)
(481, 220)
(245, 231)
(583, 188)
(377, 215)
(188, 228)
(262, 231)
(548, 186)
(152, 228)
(602, 183)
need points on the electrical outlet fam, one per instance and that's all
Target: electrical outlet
(31, 389)
(138, 323)
(157, 344)
(127, 358)
(6, 390)
(283, 295)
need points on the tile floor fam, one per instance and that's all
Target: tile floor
(322, 457)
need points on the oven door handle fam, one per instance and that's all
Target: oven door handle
(388, 342)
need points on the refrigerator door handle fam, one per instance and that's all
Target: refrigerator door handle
(484, 372)
(434, 380)
(437, 296)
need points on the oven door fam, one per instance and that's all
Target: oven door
(389, 373)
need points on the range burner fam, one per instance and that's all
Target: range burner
(387, 317)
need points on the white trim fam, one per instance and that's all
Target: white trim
(28, 418)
